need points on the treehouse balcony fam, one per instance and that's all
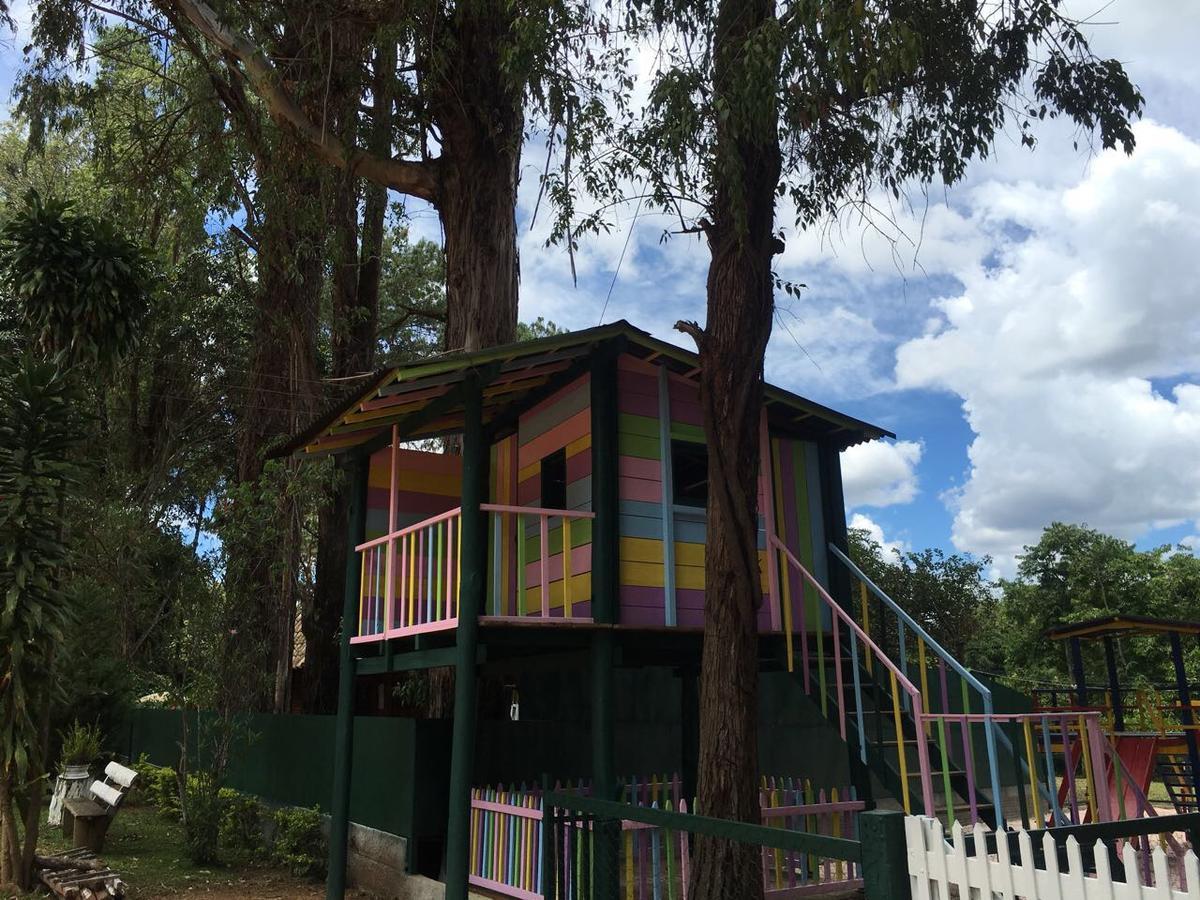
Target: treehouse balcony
(411, 579)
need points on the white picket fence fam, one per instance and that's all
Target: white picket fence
(941, 871)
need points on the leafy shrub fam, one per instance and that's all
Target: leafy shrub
(241, 830)
(299, 844)
(80, 744)
(158, 785)
(201, 822)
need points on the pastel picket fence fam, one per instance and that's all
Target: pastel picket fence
(966, 867)
(794, 804)
(508, 840)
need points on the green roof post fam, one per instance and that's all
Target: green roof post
(473, 592)
(605, 504)
(343, 753)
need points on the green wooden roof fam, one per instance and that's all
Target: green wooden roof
(424, 398)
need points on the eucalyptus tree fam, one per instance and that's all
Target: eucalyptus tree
(825, 104)
(468, 73)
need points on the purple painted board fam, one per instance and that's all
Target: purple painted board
(639, 404)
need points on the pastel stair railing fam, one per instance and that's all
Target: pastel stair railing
(515, 571)
(410, 579)
(902, 689)
(937, 728)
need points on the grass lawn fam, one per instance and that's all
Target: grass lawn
(148, 850)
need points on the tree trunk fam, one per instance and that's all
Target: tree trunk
(355, 326)
(284, 391)
(479, 111)
(732, 347)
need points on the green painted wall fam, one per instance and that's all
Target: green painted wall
(400, 765)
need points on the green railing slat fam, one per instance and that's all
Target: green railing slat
(762, 835)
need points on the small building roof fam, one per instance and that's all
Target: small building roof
(1113, 626)
(425, 398)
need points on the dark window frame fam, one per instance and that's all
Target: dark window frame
(553, 487)
(689, 474)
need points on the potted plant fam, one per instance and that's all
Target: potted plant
(80, 747)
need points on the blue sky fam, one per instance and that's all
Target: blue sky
(1031, 335)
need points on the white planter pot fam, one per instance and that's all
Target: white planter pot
(71, 783)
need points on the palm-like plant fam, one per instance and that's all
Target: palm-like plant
(73, 293)
(39, 464)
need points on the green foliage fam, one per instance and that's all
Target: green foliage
(76, 285)
(201, 820)
(241, 832)
(863, 96)
(80, 744)
(299, 844)
(1071, 574)
(159, 785)
(1075, 573)
(950, 596)
(39, 441)
(538, 328)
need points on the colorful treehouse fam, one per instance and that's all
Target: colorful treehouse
(560, 546)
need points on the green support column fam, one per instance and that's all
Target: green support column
(605, 504)
(343, 753)
(884, 855)
(471, 600)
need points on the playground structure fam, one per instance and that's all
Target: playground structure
(1167, 749)
(565, 539)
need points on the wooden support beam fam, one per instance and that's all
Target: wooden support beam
(407, 662)
(472, 596)
(343, 752)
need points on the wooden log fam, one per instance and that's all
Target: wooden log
(79, 858)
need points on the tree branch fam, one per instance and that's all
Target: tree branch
(417, 179)
(692, 330)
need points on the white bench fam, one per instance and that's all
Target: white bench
(85, 821)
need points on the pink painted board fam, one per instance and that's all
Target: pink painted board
(579, 465)
(560, 435)
(629, 363)
(639, 489)
(637, 467)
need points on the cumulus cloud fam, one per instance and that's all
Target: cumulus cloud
(880, 473)
(1075, 352)
(874, 531)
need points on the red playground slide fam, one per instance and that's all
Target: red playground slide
(1138, 756)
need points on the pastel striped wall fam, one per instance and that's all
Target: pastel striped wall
(645, 583)
(795, 480)
(428, 484)
(561, 421)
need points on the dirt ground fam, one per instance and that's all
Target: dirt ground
(264, 886)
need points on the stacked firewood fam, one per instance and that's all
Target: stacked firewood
(79, 875)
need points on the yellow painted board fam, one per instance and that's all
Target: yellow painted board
(581, 590)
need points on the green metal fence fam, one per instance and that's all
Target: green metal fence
(584, 854)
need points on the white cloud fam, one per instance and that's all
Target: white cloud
(880, 473)
(1075, 355)
(874, 531)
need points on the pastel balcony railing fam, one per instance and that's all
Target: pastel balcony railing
(411, 579)
(537, 571)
